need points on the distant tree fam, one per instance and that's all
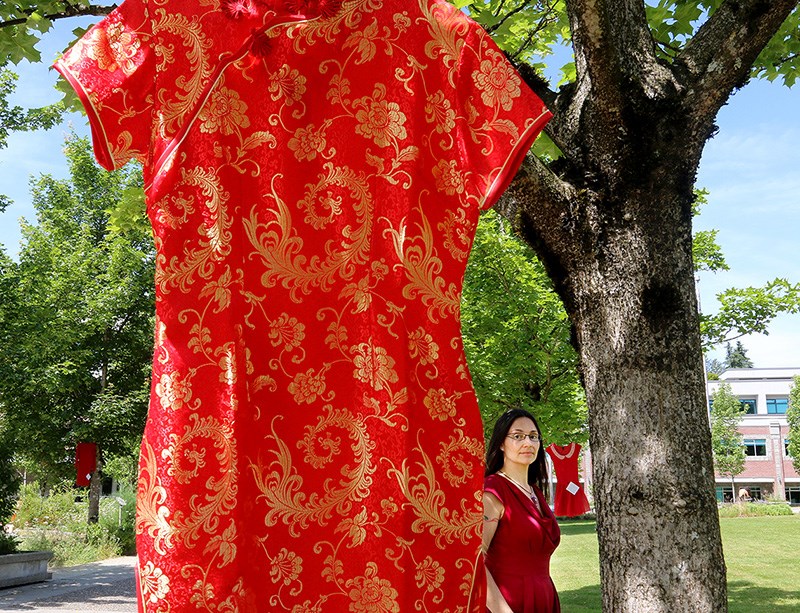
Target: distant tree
(516, 336)
(714, 368)
(78, 331)
(793, 417)
(736, 357)
(726, 442)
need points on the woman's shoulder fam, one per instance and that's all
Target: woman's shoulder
(495, 484)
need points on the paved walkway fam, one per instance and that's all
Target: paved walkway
(106, 586)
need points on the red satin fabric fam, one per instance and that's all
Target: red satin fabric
(85, 463)
(313, 442)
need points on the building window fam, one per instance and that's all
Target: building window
(748, 405)
(786, 447)
(793, 494)
(755, 492)
(755, 447)
(777, 406)
(724, 493)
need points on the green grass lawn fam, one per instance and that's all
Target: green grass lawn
(762, 555)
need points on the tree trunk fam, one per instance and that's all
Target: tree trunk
(95, 491)
(637, 329)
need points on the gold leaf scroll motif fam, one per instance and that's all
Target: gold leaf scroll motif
(174, 111)
(151, 512)
(434, 513)
(216, 235)
(423, 270)
(281, 248)
(220, 495)
(282, 488)
(448, 30)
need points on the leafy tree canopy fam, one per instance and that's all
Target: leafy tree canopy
(793, 418)
(516, 336)
(77, 333)
(736, 356)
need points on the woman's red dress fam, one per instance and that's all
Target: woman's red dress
(519, 555)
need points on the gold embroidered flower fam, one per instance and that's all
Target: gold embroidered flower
(307, 143)
(421, 345)
(355, 527)
(286, 331)
(440, 405)
(307, 386)
(155, 584)
(371, 594)
(287, 83)
(224, 112)
(498, 82)
(378, 119)
(173, 391)
(286, 567)
(373, 365)
(448, 178)
(439, 112)
(114, 48)
(229, 369)
(429, 574)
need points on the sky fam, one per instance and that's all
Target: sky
(751, 169)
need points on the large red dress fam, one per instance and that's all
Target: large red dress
(313, 180)
(519, 555)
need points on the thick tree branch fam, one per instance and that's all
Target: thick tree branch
(70, 10)
(540, 206)
(614, 49)
(719, 57)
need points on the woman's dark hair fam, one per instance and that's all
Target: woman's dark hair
(537, 471)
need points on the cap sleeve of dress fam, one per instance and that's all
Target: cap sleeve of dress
(112, 71)
(502, 117)
(494, 485)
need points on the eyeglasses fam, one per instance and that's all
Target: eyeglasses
(519, 437)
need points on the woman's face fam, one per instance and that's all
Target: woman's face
(524, 451)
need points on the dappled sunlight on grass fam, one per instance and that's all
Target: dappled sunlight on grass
(762, 555)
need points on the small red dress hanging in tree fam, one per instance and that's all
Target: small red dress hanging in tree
(571, 500)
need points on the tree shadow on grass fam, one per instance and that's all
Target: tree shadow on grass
(586, 599)
(744, 597)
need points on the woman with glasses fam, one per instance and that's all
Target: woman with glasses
(520, 532)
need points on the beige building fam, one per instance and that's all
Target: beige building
(768, 470)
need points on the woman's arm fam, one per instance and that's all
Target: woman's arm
(492, 512)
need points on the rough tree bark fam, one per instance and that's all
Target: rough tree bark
(611, 221)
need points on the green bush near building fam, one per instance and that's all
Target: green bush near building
(760, 553)
(754, 509)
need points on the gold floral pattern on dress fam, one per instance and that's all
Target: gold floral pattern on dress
(498, 81)
(429, 574)
(422, 346)
(440, 404)
(307, 143)
(286, 567)
(173, 391)
(286, 84)
(155, 584)
(380, 120)
(371, 594)
(287, 331)
(440, 113)
(307, 386)
(225, 112)
(114, 49)
(373, 365)
(448, 177)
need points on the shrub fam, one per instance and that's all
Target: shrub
(754, 509)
